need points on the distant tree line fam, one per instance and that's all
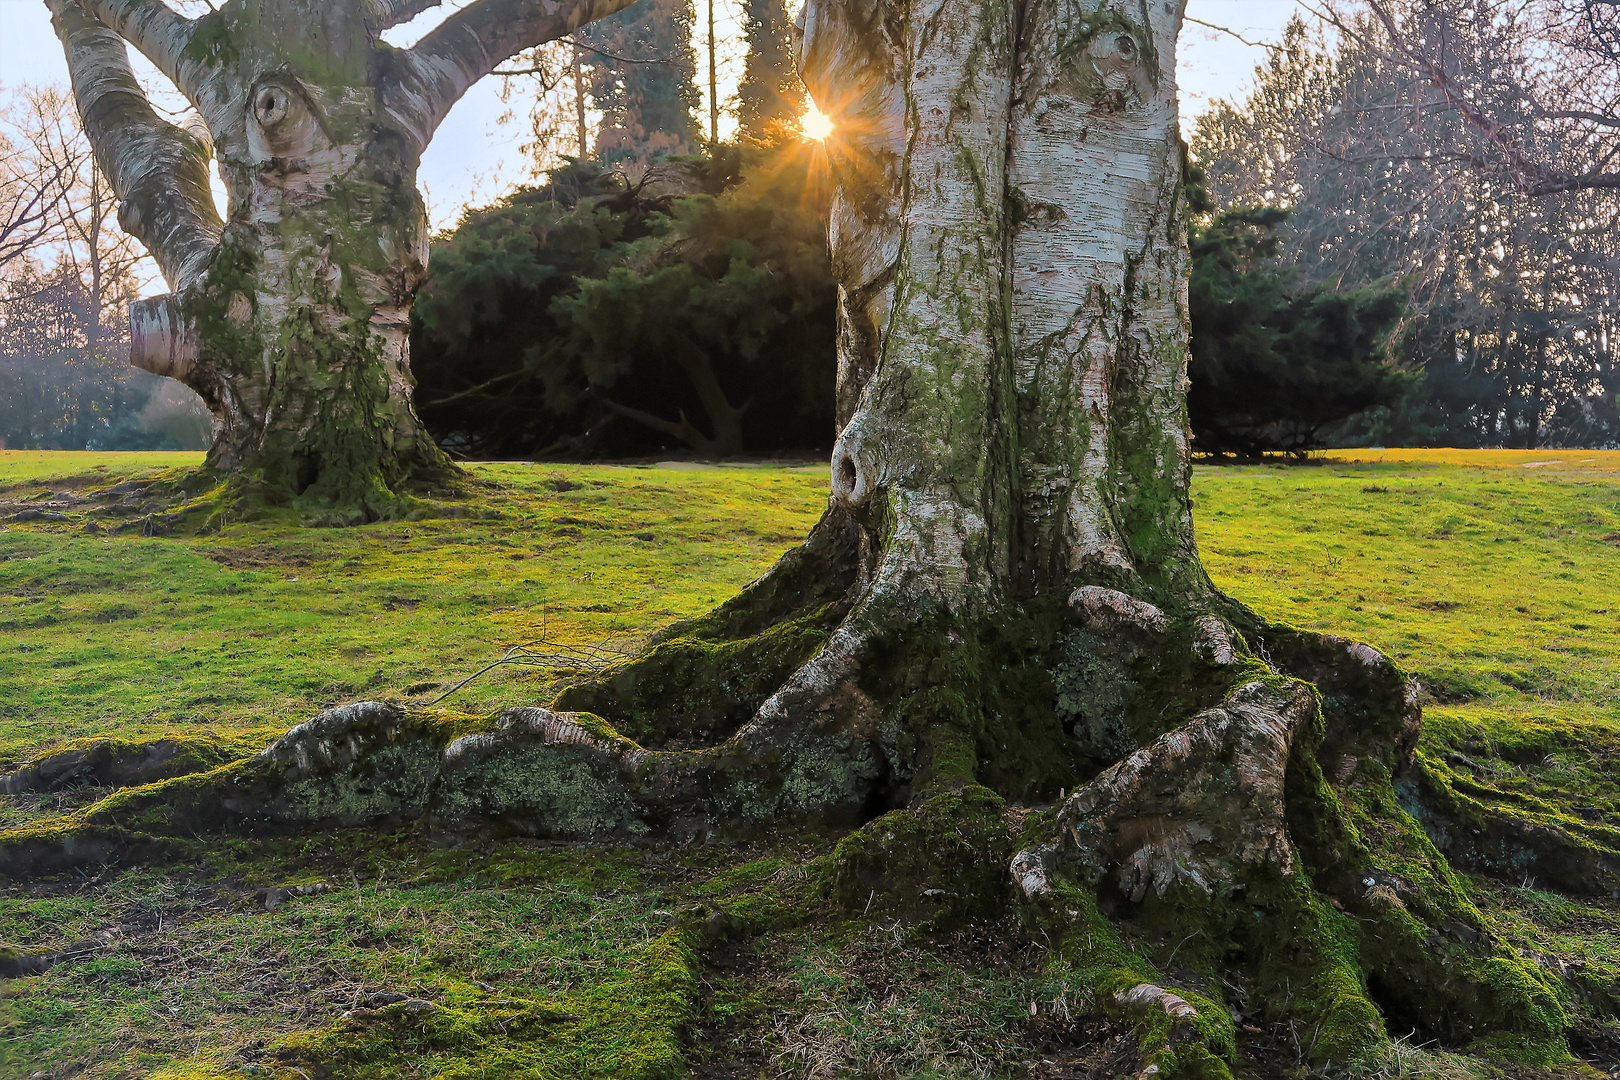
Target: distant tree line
(1484, 195)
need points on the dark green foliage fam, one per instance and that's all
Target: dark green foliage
(484, 321)
(1273, 368)
(594, 318)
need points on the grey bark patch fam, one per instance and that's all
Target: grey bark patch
(540, 775)
(1190, 809)
(1109, 609)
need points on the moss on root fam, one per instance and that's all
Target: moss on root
(1432, 961)
(943, 861)
(1509, 834)
(112, 762)
(629, 1028)
(701, 679)
(1027, 704)
(688, 689)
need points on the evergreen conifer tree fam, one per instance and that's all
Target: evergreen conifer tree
(642, 76)
(771, 96)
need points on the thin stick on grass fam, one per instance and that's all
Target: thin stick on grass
(578, 657)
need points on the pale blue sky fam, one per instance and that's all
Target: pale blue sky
(473, 157)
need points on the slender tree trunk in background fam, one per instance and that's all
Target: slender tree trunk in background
(579, 105)
(714, 83)
(98, 211)
(1537, 402)
(291, 317)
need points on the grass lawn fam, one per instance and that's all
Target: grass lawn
(1493, 575)
(254, 627)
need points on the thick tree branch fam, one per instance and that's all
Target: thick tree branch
(161, 34)
(443, 66)
(382, 14)
(158, 170)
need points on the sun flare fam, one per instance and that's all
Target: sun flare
(815, 124)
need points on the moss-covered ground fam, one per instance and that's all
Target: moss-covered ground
(1495, 576)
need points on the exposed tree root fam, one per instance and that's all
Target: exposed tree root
(1230, 845)
(116, 763)
(20, 963)
(1511, 836)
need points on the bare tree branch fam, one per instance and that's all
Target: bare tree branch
(29, 196)
(1417, 54)
(158, 170)
(1268, 46)
(1601, 119)
(443, 66)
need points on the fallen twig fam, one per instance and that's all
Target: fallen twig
(577, 657)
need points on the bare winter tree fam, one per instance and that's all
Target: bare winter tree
(83, 238)
(1537, 81)
(1512, 289)
(32, 190)
(290, 317)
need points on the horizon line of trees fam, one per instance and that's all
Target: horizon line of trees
(1363, 271)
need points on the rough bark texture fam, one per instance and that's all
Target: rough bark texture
(1003, 607)
(291, 317)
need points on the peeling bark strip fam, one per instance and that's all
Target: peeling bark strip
(290, 318)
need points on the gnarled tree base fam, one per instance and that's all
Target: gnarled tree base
(1197, 811)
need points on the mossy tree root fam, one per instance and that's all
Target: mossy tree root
(117, 763)
(1234, 843)
(1509, 835)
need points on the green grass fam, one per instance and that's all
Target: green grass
(1492, 580)
(1499, 586)
(257, 626)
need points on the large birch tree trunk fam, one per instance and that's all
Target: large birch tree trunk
(290, 318)
(997, 659)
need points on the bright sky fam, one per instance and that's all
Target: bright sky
(474, 157)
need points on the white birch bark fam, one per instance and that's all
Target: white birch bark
(1098, 281)
(291, 317)
(1008, 243)
(919, 248)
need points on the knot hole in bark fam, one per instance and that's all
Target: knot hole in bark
(848, 482)
(283, 122)
(270, 106)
